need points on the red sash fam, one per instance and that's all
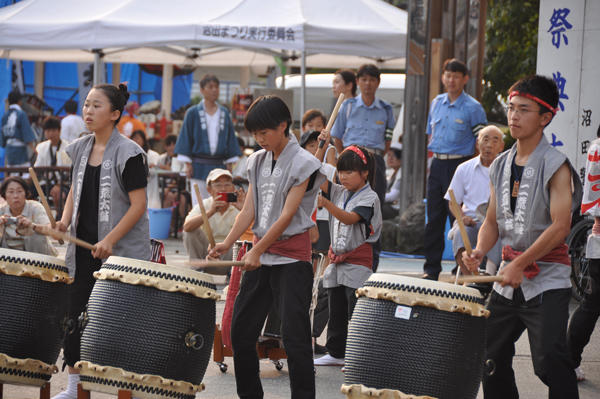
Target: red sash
(560, 254)
(363, 255)
(295, 247)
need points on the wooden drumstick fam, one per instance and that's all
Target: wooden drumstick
(212, 263)
(475, 279)
(211, 238)
(333, 116)
(461, 226)
(44, 201)
(67, 237)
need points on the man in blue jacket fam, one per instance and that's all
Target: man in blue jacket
(17, 137)
(207, 140)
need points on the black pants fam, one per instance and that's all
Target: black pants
(79, 295)
(440, 176)
(290, 288)
(546, 324)
(380, 189)
(586, 315)
(342, 301)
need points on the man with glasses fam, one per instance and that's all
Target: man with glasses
(221, 212)
(534, 190)
(454, 122)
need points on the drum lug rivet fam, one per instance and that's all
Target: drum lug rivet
(194, 340)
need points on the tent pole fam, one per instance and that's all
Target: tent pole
(98, 66)
(303, 86)
(167, 91)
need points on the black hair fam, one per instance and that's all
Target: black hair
(370, 70)
(14, 97)
(206, 79)
(241, 142)
(312, 114)
(141, 133)
(267, 112)
(349, 77)
(542, 87)
(10, 179)
(454, 65)
(170, 139)
(71, 107)
(117, 96)
(51, 122)
(349, 161)
(397, 152)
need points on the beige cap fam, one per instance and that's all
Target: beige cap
(216, 173)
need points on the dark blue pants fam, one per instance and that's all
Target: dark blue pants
(440, 176)
(585, 316)
(546, 324)
(289, 286)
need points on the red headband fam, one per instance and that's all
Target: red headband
(534, 98)
(359, 152)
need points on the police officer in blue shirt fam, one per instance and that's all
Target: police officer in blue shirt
(455, 119)
(368, 121)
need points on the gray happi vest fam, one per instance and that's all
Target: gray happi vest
(270, 189)
(346, 238)
(114, 200)
(532, 212)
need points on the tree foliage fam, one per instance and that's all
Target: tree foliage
(511, 49)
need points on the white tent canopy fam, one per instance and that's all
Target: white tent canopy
(353, 27)
(368, 28)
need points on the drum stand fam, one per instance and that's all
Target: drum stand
(44, 391)
(83, 394)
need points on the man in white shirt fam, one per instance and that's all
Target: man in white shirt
(221, 216)
(207, 139)
(471, 185)
(72, 125)
(52, 153)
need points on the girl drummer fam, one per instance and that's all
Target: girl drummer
(355, 222)
(284, 181)
(106, 206)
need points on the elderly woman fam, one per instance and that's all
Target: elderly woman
(21, 218)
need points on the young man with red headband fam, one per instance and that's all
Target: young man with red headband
(534, 190)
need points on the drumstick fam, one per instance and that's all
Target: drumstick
(475, 279)
(44, 201)
(332, 118)
(463, 230)
(211, 263)
(67, 237)
(211, 239)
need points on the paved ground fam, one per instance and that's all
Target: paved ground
(329, 379)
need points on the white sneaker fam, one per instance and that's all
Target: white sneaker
(580, 374)
(329, 360)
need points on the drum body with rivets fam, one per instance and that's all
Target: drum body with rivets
(149, 329)
(34, 302)
(416, 338)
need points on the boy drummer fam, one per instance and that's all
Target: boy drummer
(534, 190)
(284, 182)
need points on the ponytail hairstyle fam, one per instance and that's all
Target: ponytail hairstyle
(350, 160)
(117, 96)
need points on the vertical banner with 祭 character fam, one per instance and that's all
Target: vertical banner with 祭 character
(567, 51)
(560, 47)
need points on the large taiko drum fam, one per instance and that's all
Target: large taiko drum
(149, 329)
(34, 304)
(415, 338)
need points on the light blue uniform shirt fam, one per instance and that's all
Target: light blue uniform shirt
(454, 126)
(364, 125)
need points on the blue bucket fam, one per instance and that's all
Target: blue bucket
(160, 222)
